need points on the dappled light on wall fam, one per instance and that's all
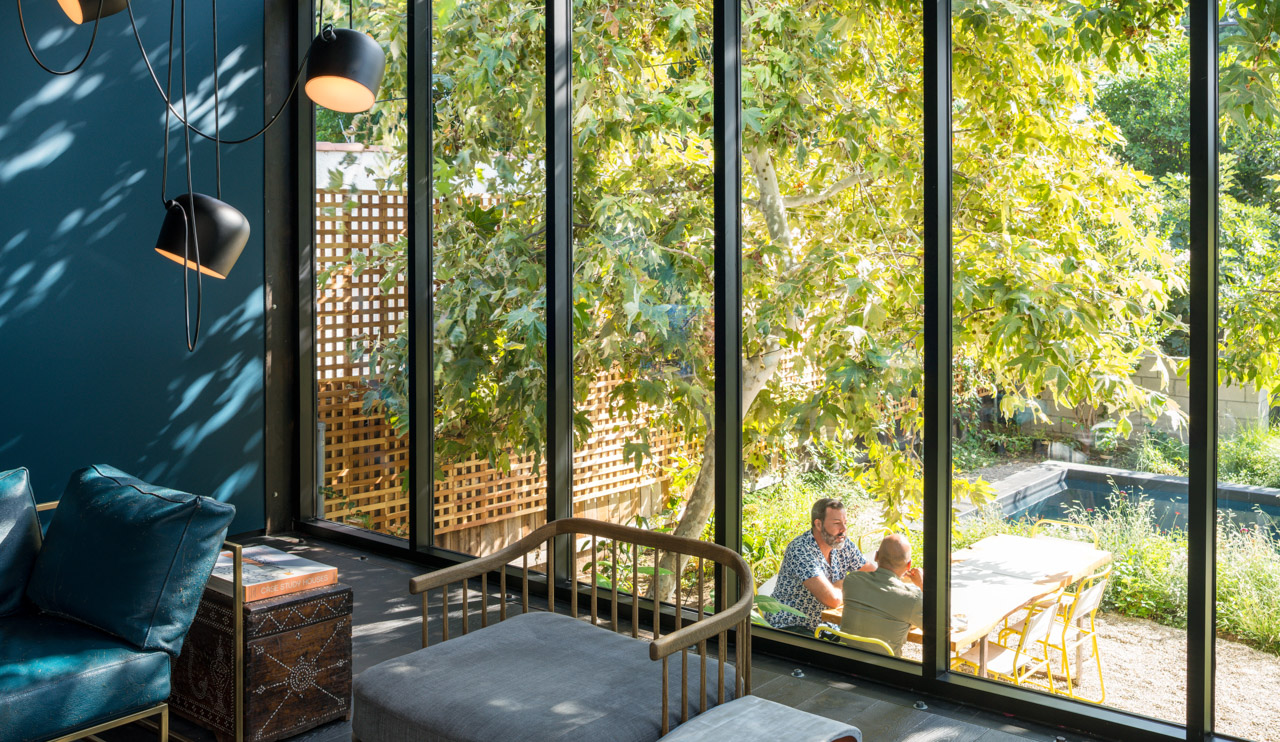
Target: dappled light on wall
(203, 233)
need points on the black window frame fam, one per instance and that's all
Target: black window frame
(290, 384)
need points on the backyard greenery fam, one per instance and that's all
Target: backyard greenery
(1069, 261)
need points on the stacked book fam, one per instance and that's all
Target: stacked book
(270, 573)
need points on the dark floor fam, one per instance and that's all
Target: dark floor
(387, 623)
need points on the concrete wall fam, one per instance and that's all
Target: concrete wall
(1238, 407)
(95, 368)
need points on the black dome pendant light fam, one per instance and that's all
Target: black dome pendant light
(197, 219)
(344, 70)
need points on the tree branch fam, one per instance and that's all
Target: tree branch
(817, 198)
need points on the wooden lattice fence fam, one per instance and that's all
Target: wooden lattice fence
(477, 508)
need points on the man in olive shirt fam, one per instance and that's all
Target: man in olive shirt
(886, 603)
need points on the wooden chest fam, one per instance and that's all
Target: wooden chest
(297, 664)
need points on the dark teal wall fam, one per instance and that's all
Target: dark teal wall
(93, 364)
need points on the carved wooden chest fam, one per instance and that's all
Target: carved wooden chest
(297, 664)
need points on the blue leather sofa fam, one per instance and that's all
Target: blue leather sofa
(92, 610)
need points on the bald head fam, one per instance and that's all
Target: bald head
(894, 553)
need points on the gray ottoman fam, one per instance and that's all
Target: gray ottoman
(753, 719)
(536, 676)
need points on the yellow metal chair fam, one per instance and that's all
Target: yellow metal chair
(1068, 633)
(1076, 627)
(834, 635)
(1018, 663)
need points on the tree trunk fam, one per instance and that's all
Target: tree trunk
(756, 373)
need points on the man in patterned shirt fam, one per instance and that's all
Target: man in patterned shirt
(813, 569)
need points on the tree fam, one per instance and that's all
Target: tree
(1062, 281)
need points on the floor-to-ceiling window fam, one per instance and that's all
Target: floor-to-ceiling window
(1248, 472)
(1069, 339)
(488, 279)
(1070, 388)
(832, 297)
(643, 253)
(360, 319)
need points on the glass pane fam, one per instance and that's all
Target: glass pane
(489, 274)
(833, 314)
(1248, 556)
(362, 424)
(1070, 391)
(644, 383)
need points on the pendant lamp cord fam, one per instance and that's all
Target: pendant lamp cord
(23, 23)
(217, 108)
(193, 232)
(168, 100)
(190, 240)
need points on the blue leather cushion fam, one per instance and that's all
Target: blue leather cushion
(57, 676)
(128, 557)
(19, 537)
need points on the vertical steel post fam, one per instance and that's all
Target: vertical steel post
(559, 104)
(303, 499)
(285, 196)
(1203, 464)
(421, 302)
(727, 81)
(937, 335)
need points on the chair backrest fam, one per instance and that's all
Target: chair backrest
(1062, 525)
(1091, 597)
(1039, 624)
(826, 632)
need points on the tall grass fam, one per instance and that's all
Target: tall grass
(1249, 584)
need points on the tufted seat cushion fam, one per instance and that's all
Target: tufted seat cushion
(536, 676)
(56, 676)
(19, 537)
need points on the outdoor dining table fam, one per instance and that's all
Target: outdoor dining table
(1001, 574)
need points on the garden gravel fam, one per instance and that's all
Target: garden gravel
(1145, 666)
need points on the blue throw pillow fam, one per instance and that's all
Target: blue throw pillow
(19, 537)
(128, 557)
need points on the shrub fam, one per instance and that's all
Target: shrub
(1149, 571)
(1157, 452)
(1250, 457)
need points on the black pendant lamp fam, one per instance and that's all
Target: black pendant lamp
(344, 70)
(203, 233)
(83, 11)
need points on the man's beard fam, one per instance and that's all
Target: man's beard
(831, 539)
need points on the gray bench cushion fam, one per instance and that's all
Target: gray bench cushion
(754, 719)
(537, 676)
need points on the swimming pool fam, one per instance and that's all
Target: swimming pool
(1053, 490)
